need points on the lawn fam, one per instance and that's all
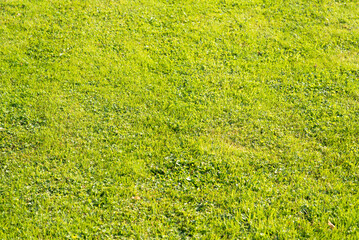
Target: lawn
(193, 119)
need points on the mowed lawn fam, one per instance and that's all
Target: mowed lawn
(193, 119)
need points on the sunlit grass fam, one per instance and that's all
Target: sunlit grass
(179, 119)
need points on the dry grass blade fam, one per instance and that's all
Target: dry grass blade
(331, 225)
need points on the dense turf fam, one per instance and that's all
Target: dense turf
(179, 119)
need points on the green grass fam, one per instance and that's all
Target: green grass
(204, 119)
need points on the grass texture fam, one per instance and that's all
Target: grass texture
(193, 119)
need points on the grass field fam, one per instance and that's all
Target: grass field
(203, 119)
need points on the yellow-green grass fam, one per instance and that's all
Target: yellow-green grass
(203, 119)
